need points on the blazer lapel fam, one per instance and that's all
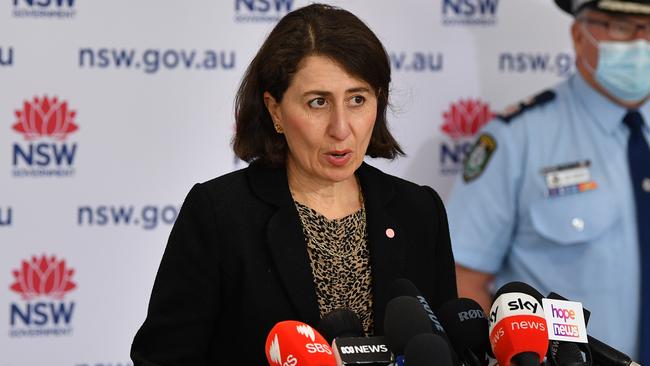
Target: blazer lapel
(387, 255)
(286, 240)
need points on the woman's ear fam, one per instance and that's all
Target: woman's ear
(273, 107)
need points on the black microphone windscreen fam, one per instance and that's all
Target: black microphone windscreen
(340, 323)
(568, 354)
(427, 350)
(466, 325)
(404, 319)
(519, 287)
(402, 287)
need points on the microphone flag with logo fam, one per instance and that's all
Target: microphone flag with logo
(518, 330)
(293, 343)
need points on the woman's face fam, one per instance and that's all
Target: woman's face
(327, 117)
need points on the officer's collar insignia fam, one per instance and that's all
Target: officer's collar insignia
(478, 157)
(517, 109)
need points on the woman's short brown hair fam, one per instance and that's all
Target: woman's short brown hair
(316, 29)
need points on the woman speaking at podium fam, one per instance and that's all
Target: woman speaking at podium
(307, 227)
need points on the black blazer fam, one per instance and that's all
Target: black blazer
(236, 263)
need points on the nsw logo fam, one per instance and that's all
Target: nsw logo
(469, 12)
(247, 11)
(462, 121)
(43, 283)
(45, 124)
(63, 9)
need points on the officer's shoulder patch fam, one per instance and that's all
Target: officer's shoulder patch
(517, 109)
(478, 157)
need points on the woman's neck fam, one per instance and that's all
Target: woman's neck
(333, 200)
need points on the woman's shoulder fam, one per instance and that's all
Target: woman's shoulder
(402, 189)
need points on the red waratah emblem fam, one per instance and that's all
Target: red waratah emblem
(466, 117)
(43, 277)
(45, 117)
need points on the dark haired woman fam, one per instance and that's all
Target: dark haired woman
(308, 227)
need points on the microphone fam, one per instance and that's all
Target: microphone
(467, 329)
(518, 330)
(340, 323)
(292, 343)
(404, 319)
(427, 350)
(404, 287)
(602, 354)
(344, 329)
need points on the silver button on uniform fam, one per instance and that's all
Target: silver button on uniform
(578, 223)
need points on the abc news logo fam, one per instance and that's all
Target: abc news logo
(375, 348)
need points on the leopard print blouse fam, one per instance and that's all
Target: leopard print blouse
(340, 262)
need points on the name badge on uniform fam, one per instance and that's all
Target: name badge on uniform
(568, 178)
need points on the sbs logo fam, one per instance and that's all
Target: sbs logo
(43, 283)
(462, 121)
(307, 331)
(45, 124)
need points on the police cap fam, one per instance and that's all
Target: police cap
(638, 7)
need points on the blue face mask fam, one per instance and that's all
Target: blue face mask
(623, 68)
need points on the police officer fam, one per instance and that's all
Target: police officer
(556, 193)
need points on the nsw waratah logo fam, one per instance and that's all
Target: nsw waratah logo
(45, 124)
(43, 284)
(462, 121)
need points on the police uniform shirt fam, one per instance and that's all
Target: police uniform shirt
(546, 199)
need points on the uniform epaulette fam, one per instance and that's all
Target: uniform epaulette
(515, 110)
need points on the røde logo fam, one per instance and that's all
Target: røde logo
(471, 314)
(50, 121)
(36, 280)
(462, 121)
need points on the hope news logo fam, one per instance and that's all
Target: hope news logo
(462, 121)
(43, 284)
(44, 9)
(247, 11)
(45, 124)
(469, 12)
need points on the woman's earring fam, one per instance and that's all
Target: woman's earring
(278, 128)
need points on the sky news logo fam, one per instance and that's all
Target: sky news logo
(45, 124)
(6, 56)
(416, 61)
(5, 216)
(62, 9)
(469, 12)
(253, 11)
(462, 121)
(43, 284)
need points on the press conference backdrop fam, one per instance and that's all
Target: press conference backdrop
(111, 110)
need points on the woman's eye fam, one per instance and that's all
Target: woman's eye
(317, 103)
(357, 100)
